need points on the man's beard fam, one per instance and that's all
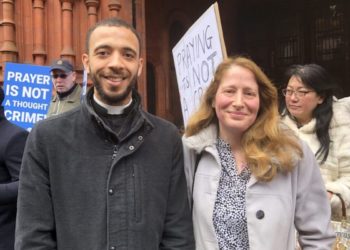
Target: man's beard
(116, 99)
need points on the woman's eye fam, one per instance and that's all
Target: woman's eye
(229, 91)
(250, 94)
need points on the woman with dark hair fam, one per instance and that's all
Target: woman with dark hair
(312, 111)
(251, 180)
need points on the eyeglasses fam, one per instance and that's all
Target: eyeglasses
(62, 76)
(298, 93)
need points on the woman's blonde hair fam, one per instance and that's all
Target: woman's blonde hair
(269, 147)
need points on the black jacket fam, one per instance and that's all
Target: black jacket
(80, 189)
(12, 141)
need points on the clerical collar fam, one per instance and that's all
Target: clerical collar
(113, 110)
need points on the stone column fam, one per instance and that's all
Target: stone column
(140, 26)
(67, 30)
(39, 53)
(114, 8)
(9, 51)
(92, 6)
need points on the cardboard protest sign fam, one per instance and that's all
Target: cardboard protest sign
(28, 91)
(196, 57)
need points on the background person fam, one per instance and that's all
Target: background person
(68, 93)
(12, 141)
(311, 110)
(107, 175)
(253, 182)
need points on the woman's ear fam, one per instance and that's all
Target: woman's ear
(320, 99)
(213, 104)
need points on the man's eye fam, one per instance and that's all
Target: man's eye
(101, 53)
(129, 55)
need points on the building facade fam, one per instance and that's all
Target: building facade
(40, 31)
(274, 33)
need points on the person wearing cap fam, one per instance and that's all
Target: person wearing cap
(12, 141)
(68, 93)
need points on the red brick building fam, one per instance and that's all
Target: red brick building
(274, 33)
(39, 31)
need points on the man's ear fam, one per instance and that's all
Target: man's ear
(85, 60)
(74, 76)
(140, 67)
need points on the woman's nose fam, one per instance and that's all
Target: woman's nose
(294, 96)
(238, 99)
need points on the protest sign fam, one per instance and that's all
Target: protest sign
(28, 91)
(196, 57)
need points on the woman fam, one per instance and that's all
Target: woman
(324, 123)
(251, 181)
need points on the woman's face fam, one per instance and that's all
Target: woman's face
(236, 101)
(301, 100)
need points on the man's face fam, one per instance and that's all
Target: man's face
(62, 81)
(113, 63)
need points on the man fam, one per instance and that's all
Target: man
(12, 141)
(67, 91)
(107, 175)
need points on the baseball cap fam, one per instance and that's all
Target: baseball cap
(63, 65)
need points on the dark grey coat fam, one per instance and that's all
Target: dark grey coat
(12, 141)
(79, 190)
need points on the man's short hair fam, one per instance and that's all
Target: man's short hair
(111, 22)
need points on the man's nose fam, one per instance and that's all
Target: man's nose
(116, 60)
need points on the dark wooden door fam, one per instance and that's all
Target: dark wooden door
(277, 34)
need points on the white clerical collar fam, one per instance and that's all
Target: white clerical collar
(113, 110)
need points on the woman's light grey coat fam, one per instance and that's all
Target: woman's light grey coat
(293, 201)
